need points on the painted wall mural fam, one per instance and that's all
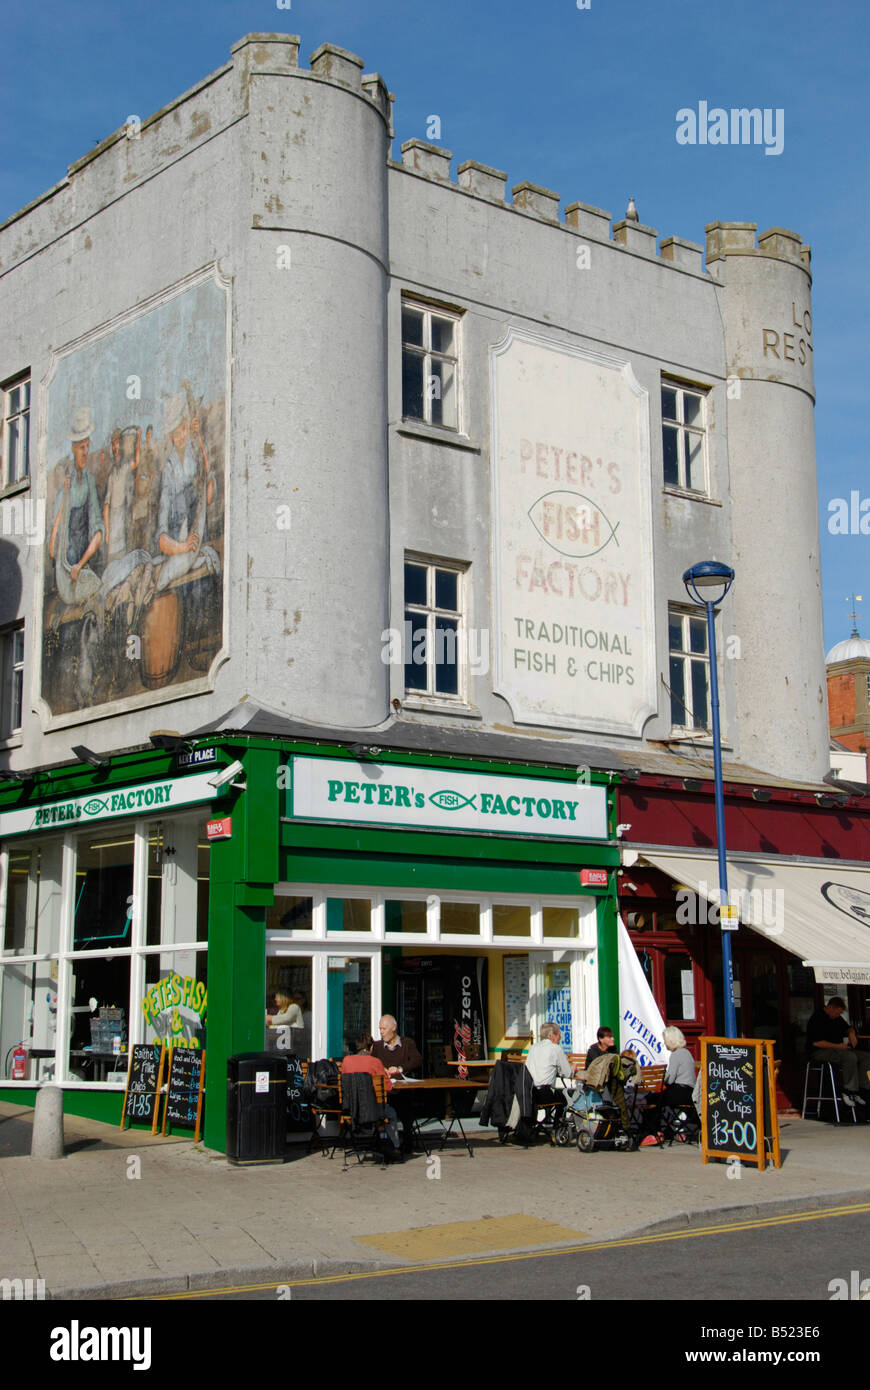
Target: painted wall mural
(573, 608)
(136, 470)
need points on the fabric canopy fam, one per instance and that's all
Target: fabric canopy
(818, 912)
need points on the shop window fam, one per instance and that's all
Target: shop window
(460, 919)
(289, 994)
(32, 899)
(689, 671)
(348, 1003)
(178, 882)
(28, 1014)
(11, 681)
(683, 436)
(289, 913)
(99, 1023)
(430, 364)
(103, 907)
(174, 1003)
(511, 919)
(348, 914)
(403, 916)
(562, 923)
(15, 453)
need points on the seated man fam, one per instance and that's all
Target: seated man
(830, 1039)
(399, 1055)
(362, 1061)
(545, 1061)
(400, 1058)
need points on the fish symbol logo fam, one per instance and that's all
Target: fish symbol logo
(572, 524)
(452, 801)
(93, 807)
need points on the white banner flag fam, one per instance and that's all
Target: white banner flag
(641, 1024)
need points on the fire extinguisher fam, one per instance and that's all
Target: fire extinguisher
(19, 1063)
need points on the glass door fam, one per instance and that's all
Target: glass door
(318, 1001)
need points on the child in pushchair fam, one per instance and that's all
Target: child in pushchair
(599, 1115)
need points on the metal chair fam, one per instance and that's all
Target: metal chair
(822, 1068)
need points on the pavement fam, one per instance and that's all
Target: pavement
(125, 1215)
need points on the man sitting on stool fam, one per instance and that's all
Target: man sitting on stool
(830, 1039)
(545, 1061)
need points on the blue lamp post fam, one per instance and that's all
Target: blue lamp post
(707, 584)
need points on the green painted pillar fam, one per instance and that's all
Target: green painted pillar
(608, 965)
(243, 872)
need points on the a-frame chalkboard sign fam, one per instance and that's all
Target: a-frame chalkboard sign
(184, 1090)
(738, 1101)
(144, 1079)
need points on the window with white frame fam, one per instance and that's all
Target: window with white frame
(430, 365)
(103, 944)
(689, 670)
(683, 437)
(11, 680)
(15, 463)
(434, 631)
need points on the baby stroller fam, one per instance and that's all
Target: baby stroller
(595, 1123)
(598, 1116)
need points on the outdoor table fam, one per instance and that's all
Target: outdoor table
(441, 1083)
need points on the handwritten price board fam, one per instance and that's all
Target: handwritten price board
(184, 1090)
(143, 1085)
(299, 1117)
(738, 1100)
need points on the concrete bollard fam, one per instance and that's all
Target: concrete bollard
(47, 1139)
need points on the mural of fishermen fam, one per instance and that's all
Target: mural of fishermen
(133, 598)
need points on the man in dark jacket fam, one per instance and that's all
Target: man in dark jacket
(830, 1039)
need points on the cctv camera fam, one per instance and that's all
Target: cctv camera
(622, 830)
(226, 775)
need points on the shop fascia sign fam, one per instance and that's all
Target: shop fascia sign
(107, 804)
(416, 798)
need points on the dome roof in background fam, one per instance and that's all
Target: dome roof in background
(853, 649)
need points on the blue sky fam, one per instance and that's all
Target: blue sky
(581, 101)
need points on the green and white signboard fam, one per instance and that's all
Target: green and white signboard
(105, 804)
(416, 798)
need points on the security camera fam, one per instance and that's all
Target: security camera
(226, 775)
(622, 830)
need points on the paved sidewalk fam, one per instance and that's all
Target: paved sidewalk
(97, 1225)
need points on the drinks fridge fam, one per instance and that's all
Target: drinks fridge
(440, 1002)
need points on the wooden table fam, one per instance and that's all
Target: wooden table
(439, 1083)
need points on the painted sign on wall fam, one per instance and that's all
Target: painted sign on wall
(175, 1010)
(134, 461)
(572, 550)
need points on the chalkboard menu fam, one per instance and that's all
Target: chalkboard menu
(738, 1101)
(143, 1085)
(184, 1090)
(299, 1117)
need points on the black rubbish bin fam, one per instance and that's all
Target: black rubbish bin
(256, 1108)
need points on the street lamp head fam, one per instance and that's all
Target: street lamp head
(712, 578)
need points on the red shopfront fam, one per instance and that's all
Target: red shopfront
(675, 930)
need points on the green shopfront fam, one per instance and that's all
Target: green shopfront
(140, 902)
